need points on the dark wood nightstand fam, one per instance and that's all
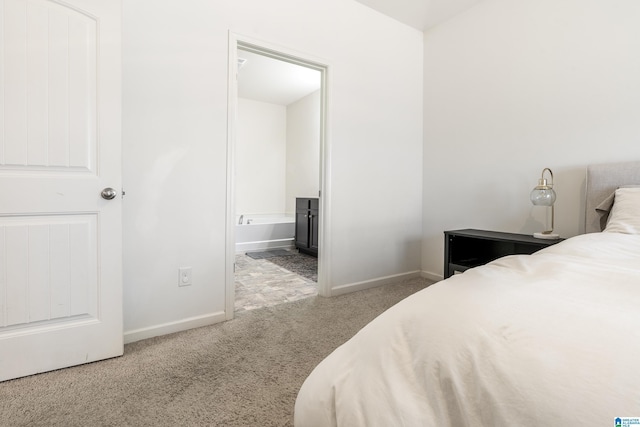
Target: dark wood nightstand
(465, 249)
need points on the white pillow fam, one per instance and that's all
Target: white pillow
(625, 213)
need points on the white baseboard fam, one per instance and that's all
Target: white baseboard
(169, 328)
(213, 318)
(368, 284)
(431, 276)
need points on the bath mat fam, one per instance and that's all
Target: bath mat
(269, 254)
(302, 264)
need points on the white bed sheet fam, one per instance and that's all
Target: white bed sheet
(527, 340)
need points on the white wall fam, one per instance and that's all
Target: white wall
(303, 149)
(513, 87)
(277, 154)
(175, 145)
(261, 152)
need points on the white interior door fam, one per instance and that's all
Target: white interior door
(60, 241)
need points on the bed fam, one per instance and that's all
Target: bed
(546, 339)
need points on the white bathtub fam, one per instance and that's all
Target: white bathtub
(265, 231)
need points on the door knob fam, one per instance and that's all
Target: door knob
(108, 193)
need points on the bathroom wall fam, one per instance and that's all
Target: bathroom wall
(303, 149)
(277, 154)
(261, 152)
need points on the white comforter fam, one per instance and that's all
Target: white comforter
(550, 339)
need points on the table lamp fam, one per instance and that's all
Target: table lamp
(543, 195)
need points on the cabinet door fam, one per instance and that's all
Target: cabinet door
(313, 229)
(302, 229)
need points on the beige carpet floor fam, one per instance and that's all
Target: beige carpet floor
(244, 372)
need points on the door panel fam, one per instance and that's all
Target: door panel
(51, 271)
(49, 88)
(313, 229)
(60, 242)
(302, 229)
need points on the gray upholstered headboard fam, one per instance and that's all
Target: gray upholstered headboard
(602, 181)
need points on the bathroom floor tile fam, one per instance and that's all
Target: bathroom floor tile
(260, 283)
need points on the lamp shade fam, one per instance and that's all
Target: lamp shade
(543, 195)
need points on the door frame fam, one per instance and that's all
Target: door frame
(277, 52)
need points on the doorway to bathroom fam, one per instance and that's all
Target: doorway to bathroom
(276, 158)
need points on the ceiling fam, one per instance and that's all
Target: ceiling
(420, 14)
(265, 79)
(269, 80)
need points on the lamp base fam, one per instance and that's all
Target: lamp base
(547, 236)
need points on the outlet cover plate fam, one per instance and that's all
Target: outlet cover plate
(184, 276)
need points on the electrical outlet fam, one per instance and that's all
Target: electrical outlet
(184, 276)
